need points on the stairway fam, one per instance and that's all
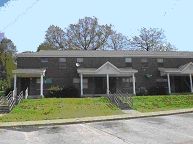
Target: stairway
(122, 100)
(4, 107)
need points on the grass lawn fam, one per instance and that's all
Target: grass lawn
(46, 109)
(160, 103)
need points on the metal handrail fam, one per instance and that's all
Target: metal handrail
(20, 97)
(120, 98)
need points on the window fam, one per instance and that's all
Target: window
(44, 60)
(62, 60)
(144, 60)
(38, 80)
(128, 60)
(48, 81)
(160, 60)
(127, 80)
(76, 80)
(79, 60)
(62, 63)
(85, 83)
(144, 63)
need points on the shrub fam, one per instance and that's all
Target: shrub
(142, 91)
(3, 85)
(54, 91)
(70, 91)
(67, 92)
(157, 91)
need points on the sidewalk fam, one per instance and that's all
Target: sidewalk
(129, 114)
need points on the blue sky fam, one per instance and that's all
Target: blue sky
(25, 21)
(2, 2)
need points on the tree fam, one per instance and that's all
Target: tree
(55, 37)
(7, 60)
(87, 34)
(152, 39)
(117, 41)
(7, 46)
(45, 46)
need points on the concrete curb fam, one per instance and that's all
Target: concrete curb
(93, 119)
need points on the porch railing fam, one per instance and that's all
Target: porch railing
(121, 99)
(19, 97)
(11, 100)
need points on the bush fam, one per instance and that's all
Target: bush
(157, 91)
(54, 91)
(67, 92)
(3, 85)
(70, 92)
(142, 91)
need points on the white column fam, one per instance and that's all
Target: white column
(81, 84)
(42, 86)
(107, 84)
(134, 91)
(15, 85)
(169, 85)
(191, 83)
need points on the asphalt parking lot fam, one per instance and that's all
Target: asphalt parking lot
(175, 129)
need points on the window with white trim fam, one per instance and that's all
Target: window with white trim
(76, 80)
(85, 83)
(62, 60)
(144, 60)
(62, 63)
(79, 60)
(160, 60)
(128, 60)
(44, 60)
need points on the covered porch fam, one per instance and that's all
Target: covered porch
(107, 79)
(179, 80)
(26, 79)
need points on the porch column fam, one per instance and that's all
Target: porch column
(15, 85)
(81, 84)
(107, 84)
(134, 92)
(169, 86)
(41, 85)
(191, 83)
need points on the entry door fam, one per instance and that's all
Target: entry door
(112, 84)
(25, 83)
(100, 85)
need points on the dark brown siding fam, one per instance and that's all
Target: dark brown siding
(64, 77)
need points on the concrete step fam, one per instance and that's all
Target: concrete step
(4, 109)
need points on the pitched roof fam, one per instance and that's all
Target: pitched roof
(108, 53)
(184, 69)
(107, 68)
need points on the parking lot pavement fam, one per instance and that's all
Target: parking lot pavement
(176, 129)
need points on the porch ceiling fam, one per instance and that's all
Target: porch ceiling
(29, 72)
(182, 70)
(107, 68)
